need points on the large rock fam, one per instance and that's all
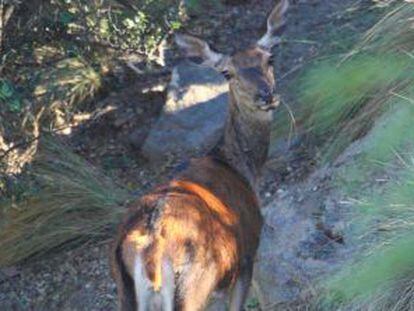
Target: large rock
(297, 244)
(194, 115)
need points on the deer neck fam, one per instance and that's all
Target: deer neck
(245, 142)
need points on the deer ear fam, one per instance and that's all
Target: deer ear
(275, 24)
(197, 48)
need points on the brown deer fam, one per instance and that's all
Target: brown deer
(199, 233)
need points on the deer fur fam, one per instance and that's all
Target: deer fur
(199, 233)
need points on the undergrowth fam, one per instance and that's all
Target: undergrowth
(341, 96)
(74, 204)
(364, 100)
(383, 228)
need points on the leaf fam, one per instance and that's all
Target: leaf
(175, 25)
(104, 26)
(6, 90)
(65, 17)
(15, 105)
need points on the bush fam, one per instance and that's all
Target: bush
(380, 278)
(74, 205)
(370, 93)
(342, 97)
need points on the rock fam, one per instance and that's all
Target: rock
(194, 115)
(8, 272)
(293, 251)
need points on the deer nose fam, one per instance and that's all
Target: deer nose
(266, 96)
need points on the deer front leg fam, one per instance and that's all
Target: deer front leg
(240, 290)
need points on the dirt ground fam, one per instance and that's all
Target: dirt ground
(79, 279)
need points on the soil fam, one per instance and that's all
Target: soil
(79, 279)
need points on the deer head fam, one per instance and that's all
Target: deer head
(250, 72)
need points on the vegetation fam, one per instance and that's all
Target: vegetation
(380, 277)
(370, 91)
(59, 56)
(345, 99)
(73, 204)
(345, 95)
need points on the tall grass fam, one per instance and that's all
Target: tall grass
(342, 97)
(370, 93)
(386, 264)
(71, 80)
(344, 100)
(75, 204)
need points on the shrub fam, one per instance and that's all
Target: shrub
(74, 205)
(370, 93)
(343, 97)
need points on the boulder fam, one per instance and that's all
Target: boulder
(193, 117)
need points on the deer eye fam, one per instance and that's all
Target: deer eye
(226, 74)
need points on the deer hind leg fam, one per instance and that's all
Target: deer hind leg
(142, 285)
(240, 289)
(168, 287)
(198, 283)
(147, 298)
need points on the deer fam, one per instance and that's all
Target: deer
(198, 234)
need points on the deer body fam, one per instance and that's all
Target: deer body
(199, 233)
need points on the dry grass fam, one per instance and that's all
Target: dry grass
(71, 80)
(75, 205)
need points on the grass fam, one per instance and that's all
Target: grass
(75, 205)
(369, 94)
(384, 225)
(70, 80)
(341, 97)
(344, 100)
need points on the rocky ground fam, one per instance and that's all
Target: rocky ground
(302, 233)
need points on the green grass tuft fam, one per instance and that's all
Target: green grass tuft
(387, 215)
(341, 98)
(75, 205)
(337, 94)
(369, 93)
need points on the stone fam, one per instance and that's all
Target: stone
(193, 117)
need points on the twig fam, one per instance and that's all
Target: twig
(5, 14)
(135, 68)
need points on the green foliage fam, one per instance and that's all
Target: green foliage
(395, 132)
(137, 26)
(60, 54)
(388, 263)
(196, 6)
(389, 214)
(336, 92)
(71, 80)
(343, 97)
(75, 205)
(370, 93)
(9, 97)
(393, 33)
(391, 134)
(253, 303)
(344, 100)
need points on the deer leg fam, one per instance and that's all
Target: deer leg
(142, 285)
(197, 287)
(168, 288)
(240, 289)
